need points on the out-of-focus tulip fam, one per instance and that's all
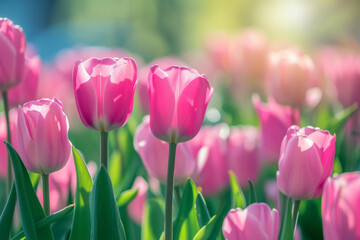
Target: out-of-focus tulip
(275, 121)
(154, 155)
(289, 75)
(340, 207)
(178, 100)
(12, 54)
(257, 221)
(272, 193)
(142, 88)
(210, 147)
(243, 153)
(137, 205)
(104, 92)
(3, 137)
(26, 90)
(306, 161)
(42, 134)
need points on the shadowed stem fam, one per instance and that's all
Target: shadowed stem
(8, 134)
(104, 149)
(169, 191)
(295, 212)
(46, 195)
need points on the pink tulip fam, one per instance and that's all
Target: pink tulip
(12, 51)
(178, 100)
(275, 120)
(306, 161)
(3, 137)
(210, 147)
(142, 88)
(137, 205)
(43, 140)
(340, 207)
(257, 221)
(26, 90)
(154, 155)
(289, 75)
(104, 92)
(242, 153)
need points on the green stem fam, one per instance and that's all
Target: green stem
(8, 134)
(169, 191)
(46, 195)
(295, 212)
(287, 229)
(104, 149)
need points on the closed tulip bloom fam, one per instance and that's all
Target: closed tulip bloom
(26, 90)
(257, 221)
(289, 75)
(340, 207)
(104, 92)
(12, 52)
(137, 205)
(178, 100)
(275, 121)
(243, 153)
(306, 161)
(154, 155)
(43, 140)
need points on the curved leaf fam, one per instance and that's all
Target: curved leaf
(206, 232)
(126, 197)
(153, 219)
(202, 212)
(237, 195)
(252, 193)
(7, 214)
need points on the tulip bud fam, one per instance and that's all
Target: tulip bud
(289, 76)
(104, 92)
(306, 161)
(43, 140)
(340, 207)
(154, 155)
(137, 205)
(257, 221)
(178, 100)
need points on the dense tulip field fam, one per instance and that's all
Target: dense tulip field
(261, 141)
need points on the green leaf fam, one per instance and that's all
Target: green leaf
(126, 197)
(115, 169)
(153, 219)
(237, 195)
(29, 206)
(81, 220)
(7, 214)
(58, 216)
(341, 118)
(186, 224)
(202, 212)
(105, 216)
(252, 194)
(206, 232)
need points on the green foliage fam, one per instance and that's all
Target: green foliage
(126, 197)
(7, 214)
(237, 195)
(153, 219)
(252, 193)
(202, 212)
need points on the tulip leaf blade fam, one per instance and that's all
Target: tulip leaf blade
(7, 214)
(237, 195)
(81, 219)
(186, 224)
(341, 118)
(252, 193)
(202, 212)
(104, 212)
(126, 197)
(29, 205)
(206, 232)
(153, 219)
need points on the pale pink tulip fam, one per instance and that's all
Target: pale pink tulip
(137, 205)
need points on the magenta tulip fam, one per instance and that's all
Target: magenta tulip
(275, 121)
(306, 161)
(340, 207)
(104, 92)
(3, 137)
(12, 52)
(26, 90)
(289, 75)
(257, 221)
(243, 153)
(154, 155)
(178, 100)
(43, 140)
(137, 205)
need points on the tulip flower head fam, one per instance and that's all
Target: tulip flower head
(42, 135)
(104, 92)
(12, 54)
(306, 161)
(179, 97)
